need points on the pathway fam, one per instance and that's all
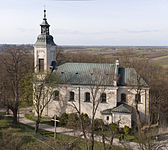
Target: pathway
(69, 132)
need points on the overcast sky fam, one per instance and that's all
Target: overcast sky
(90, 22)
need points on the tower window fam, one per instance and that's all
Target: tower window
(41, 64)
(87, 97)
(103, 98)
(123, 97)
(56, 95)
(72, 94)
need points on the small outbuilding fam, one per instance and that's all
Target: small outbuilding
(121, 114)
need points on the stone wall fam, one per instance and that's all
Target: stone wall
(143, 106)
(113, 95)
(64, 105)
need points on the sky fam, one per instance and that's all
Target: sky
(87, 22)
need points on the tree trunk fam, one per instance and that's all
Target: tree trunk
(103, 141)
(37, 125)
(85, 137)
(7, 110)
(138, 117)
(92, 135)
(15, 121)
(111, 142)
(103, 137)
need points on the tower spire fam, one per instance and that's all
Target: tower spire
(44, 25)
(45, 14)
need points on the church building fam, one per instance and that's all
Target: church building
(111, 89)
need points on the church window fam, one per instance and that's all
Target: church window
(41, 64)
(56, 96)
(71, 96)
(137, 98)
(123, 97)
(87, 97)
(103, 98)
(107, 118)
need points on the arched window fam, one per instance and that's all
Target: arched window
(103, 98)
(71, 96)
(123, 97)
(87, 97)
(56, 95)
(137, 98)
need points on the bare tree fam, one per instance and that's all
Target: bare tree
(16, 63)
(99, 80)
(42, 86)
(155, 77)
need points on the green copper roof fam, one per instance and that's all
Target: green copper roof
(129, 76)
(123, 108)
(87, 73)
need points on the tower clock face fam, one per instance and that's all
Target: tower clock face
(41, 54)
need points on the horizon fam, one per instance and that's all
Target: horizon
(87, 23)
(90, 45)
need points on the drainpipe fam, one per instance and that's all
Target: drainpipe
(145, 106)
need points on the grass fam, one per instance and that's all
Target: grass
(12, 136)
(159, 58)
(43, 121)
(48, 122)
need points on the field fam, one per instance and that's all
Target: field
(156, 54)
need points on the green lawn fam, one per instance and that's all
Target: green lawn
(22, 137)
(43, 121)
(129, 137)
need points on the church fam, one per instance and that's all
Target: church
(109, 88)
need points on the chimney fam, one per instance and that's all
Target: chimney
(117, 64)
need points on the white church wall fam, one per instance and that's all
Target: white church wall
(64, 105)
(107, 118)
(143, 106)
(47, 53)
(122, 118)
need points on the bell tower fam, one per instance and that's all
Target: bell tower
(44, 49)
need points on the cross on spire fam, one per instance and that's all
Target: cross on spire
(44, 25)
(44, 14)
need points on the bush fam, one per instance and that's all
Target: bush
(126, 130)
(98, 124)
(85, 119)
(114, 126)
(63, 119)
(73, 120)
